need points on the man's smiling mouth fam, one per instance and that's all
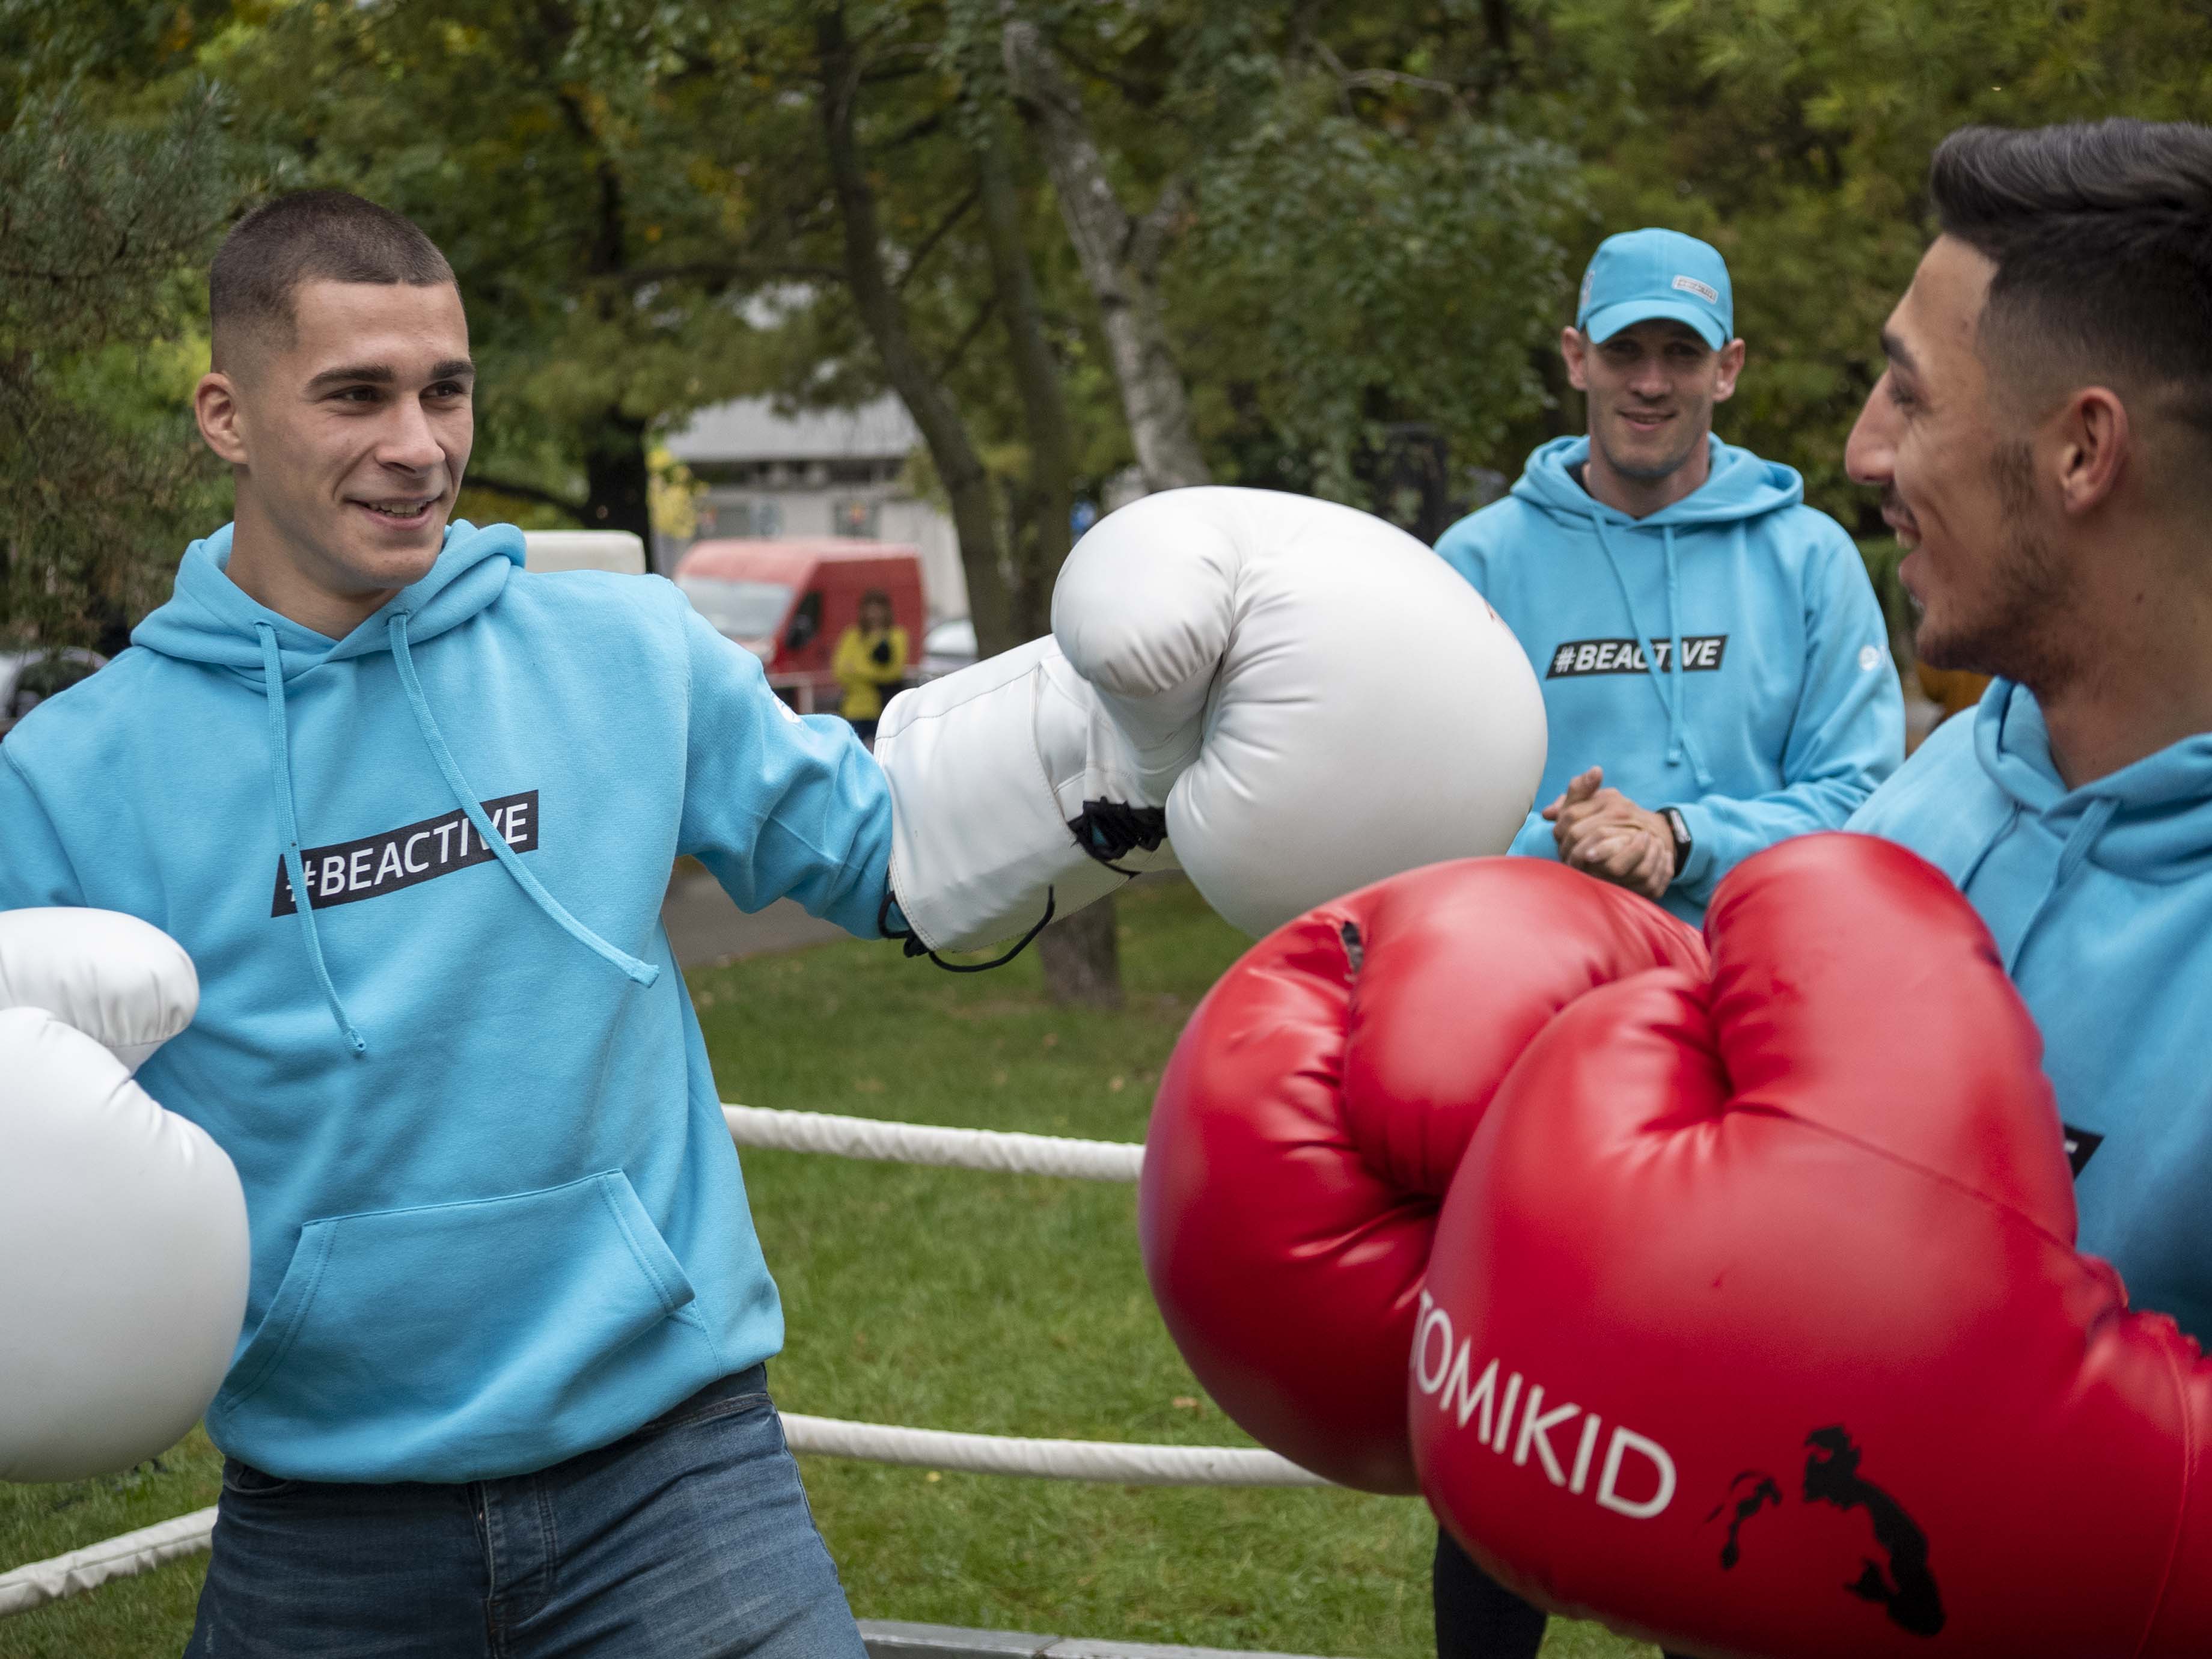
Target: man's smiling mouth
(413, 508)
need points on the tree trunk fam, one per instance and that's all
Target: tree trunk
(1082, 968)
(975, 516)
(1044, 502)
(1119, 258)
(1082, 958)
(618, 477)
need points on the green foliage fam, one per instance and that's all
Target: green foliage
(1364, 214)
(101, 220)
(560, 155)
(132, 1618)
(1355, 275)
(1795, 134)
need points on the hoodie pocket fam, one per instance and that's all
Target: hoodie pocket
(435, 1310)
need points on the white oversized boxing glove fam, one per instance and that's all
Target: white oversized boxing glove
(124, 1252)
(1014, 796)
(1304, 698)
(118, 980)
(1364, 710)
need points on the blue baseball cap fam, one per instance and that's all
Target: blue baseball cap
(1642, 274)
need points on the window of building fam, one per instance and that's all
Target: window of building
(740, 518)
(850, 515)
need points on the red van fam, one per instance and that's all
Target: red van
(789, 601)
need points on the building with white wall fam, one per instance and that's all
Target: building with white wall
(819, 472)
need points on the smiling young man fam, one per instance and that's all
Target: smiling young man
(1714, 665)
(2043, 441)
(499, 1390)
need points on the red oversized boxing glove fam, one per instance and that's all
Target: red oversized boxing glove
(1313, 1115)
(1754, 1322)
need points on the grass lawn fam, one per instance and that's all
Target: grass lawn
(948, 1299)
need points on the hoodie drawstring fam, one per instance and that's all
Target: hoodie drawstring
(1668, 685)
(2071, 857)
(272, 677)
(643, 973)
(1674, 652)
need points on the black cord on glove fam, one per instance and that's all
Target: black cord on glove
(1111, 829)
(1106, 830)
(911, 943)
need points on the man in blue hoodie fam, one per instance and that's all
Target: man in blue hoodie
(499, 1390)
(2042, 439)
(1716, 669)
(411, 811)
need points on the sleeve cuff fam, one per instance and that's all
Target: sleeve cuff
(1698, 868)
(1535, 840)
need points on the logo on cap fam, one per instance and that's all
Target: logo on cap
(1705, 291)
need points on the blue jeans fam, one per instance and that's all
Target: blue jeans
(691, 1538)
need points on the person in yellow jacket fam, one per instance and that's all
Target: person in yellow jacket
(870, 662)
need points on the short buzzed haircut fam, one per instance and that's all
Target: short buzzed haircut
(311, 235)
(2101, 233)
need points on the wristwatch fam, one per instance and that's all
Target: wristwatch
(1678, 827)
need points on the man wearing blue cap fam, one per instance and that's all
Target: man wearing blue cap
(1716, 669)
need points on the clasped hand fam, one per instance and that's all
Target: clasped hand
(1602, 833)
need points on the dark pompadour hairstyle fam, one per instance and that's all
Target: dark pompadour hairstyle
(311, 235)
(2102, 238)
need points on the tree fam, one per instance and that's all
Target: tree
(1121, 257)
(107, 215)
(551, 148)
(1331, 258)
(1794, 135)
(1014, 530)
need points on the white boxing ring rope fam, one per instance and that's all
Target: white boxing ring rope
(1118, 1464)
(926, 1143)
(89, 1568)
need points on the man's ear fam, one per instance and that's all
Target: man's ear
(1574, 350)
(1730, 366)
(2093, 441)
(216, 406)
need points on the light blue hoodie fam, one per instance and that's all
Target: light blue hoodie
(1725, 656)
(497, 1219)
(2100, 899)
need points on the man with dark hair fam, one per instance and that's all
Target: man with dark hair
(499, 1386)
(2042, 439)
(409, 810)
(325, 234)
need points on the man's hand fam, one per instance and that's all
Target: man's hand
(1604, 834)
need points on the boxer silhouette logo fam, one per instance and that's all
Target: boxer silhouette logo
(1903, 1586)
(1490, 1400)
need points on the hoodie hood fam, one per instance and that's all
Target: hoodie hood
(210, 619)
(1739, 486)
(2151, 821)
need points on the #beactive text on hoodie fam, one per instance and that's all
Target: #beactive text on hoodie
(497, 1219)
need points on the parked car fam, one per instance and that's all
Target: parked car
(28, 677)
(949, 645)
(789, 601)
